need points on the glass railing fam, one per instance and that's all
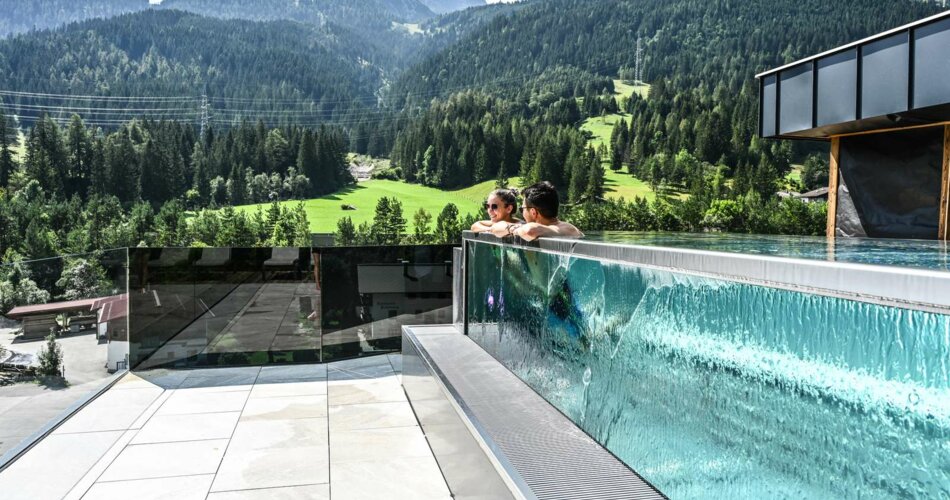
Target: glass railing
(369, 293)
(204, 307)
(76, 306)
(715, 388)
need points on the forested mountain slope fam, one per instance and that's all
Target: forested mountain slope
(697, 42)
(298, 71)
(20, 16)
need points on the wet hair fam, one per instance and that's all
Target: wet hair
(542, 197)
(508, 196)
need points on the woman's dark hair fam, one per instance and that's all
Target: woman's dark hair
(542, 197)
(508, 196)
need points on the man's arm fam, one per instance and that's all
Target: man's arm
(533, 230)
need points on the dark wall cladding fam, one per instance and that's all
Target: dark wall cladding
(894, 183)
(932, 64)
(769, 90)
(837, 88)
(884, 74)
(795, 111)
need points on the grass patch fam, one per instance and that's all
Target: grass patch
(619, 184)
(410, 28)
(627, 89)
(324, 212)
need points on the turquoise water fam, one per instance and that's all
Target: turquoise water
(928, 254)
(716, 389)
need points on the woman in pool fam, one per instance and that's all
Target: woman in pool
(502, 204)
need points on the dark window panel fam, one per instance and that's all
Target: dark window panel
(796, 99)
(769, 88)
(932, 64)
(884, 74)
(837, 84)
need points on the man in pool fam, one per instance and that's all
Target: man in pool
(539, 210)
(500, 206)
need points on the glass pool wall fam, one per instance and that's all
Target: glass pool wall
(712, 389)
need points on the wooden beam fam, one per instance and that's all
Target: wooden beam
(833, 187)
(945, 186)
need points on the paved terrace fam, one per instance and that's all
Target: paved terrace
(343, 430)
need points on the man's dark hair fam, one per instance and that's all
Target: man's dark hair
(543, 197)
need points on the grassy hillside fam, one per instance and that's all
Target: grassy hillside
(324, 212)
(618, 184)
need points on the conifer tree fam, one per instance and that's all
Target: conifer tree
(7, 140)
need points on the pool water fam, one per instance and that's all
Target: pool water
(713, 389)
(927, 254)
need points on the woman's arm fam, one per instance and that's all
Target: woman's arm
(481, 226)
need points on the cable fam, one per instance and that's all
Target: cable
(91, 97)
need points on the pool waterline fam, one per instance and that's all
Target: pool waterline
(924, 254)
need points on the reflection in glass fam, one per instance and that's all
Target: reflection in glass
(82, 302)
(223, 307)
(370, 292)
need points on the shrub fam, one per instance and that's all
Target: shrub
(51, 357)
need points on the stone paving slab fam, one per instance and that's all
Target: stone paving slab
(339, 431)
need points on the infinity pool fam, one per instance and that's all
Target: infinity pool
(711, 388)
(929, 254)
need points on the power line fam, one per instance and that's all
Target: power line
(200, 108)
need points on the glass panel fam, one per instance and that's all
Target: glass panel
(884, 74)
(370, 292)
(82, 301)
(931, 64)
(837, 84)
(796, 98)
(769, 103)
(711, 388)
(199, 307)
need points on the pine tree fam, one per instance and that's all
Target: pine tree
(124, 166)
(380, 231)
(421, 222)
(595, 182)
(155, 180)
(201, 182)
(80, 159)
(345, 232)
(447, 225)
(7, 138)
(307, 161)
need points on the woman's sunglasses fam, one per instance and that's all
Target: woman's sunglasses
(492, 206)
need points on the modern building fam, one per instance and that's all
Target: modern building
(884, 105)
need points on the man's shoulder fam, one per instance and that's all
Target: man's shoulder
(568, 229)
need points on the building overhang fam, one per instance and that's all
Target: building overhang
(893, 80)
